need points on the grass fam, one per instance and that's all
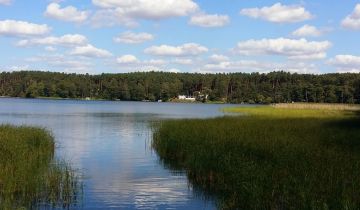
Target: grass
(318, 106)
(30, 178)
(270, 157)
(276, 112)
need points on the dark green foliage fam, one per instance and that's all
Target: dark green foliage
(273, 87)
(268, 162)
(30, 178)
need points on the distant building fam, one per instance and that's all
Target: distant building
(182, 97)
(189, 98)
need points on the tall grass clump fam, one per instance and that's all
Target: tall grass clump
(269, 158)
(30, 178)
(322, 106)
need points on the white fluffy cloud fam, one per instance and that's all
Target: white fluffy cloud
(131, 60)
(5, 2)
(63, 63)
(216, 58)
(69, 13)
(352, 21)
(111, 17)
(259, 66)
(307, 31)
(207, 21)
(22, 28)
(155, 62)
(90, 51)
(189, 49)
(346, 63)
(241, 65)
(66, 40)
(127, 59)
(183, 61)
(131, 63)
(278, 13)
(50, 49)
(154, 9)
(292, 48)
(133, 38)
(300, 68)
(19, 68)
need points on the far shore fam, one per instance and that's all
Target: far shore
(99, 99)
(300, 105)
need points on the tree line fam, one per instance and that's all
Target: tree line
(274, 87)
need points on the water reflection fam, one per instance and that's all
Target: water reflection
(109, 141)
(204, 192)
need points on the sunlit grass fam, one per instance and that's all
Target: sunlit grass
(30, 178)
(294, 111)
(269, 158)
(318, 106)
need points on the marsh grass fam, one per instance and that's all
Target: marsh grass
(271, 158)
(30, 177)
(318, 106)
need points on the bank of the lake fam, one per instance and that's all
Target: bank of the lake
(30, 178)
(269, 157)
(174, 100)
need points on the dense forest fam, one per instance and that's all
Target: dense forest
(233, 88)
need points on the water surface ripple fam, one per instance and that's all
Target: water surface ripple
(110, 143)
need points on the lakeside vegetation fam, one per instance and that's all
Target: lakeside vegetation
(274, 87)
(289, 156)
(30, 177)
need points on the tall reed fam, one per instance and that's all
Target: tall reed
(269, 158)
(30, 177)
(322, 106)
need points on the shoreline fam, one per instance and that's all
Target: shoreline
(176, 101)
(94, 99)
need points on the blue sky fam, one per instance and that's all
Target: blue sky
(180, 36)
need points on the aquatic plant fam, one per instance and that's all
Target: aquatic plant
(30, 177)
(269, 158)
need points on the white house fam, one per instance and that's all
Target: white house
(182, 97)
(188, 98)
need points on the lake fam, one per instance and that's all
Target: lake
(110, 143)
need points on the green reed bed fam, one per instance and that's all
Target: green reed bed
(323, 106)
(30, 178)
(269, 158)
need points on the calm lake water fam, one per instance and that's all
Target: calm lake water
(110, 143)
